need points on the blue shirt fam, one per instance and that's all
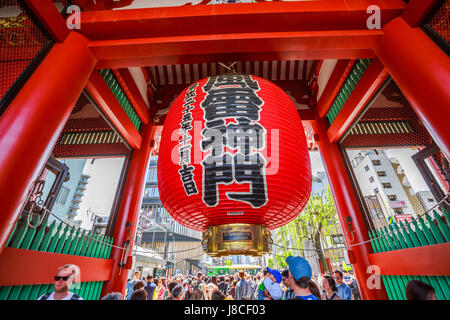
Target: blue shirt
(150, 288)
(344, 292)
(130, 288)
(310, 297)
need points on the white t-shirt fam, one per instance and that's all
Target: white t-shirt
(273, 288)
(52, 296)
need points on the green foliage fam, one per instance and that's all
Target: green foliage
(318, 221)
(270, 263)
(281, 262)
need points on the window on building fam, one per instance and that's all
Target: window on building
(371, 179)
(381, 173)
(377, 213)
(430, 200)
(374, 213)
(376, 162)
(392, 197)
(398, 210)
(63, 194)
(366, 168)
(387, 185)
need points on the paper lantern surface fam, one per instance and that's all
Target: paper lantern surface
(233, 150)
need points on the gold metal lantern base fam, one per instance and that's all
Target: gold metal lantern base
(236, 239)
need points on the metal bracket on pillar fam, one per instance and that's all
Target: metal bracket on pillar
(349, 222)
(126, 244)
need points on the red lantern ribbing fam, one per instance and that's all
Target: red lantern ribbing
(234, 162)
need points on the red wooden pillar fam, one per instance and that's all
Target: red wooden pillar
(422, 71)
(129, 210)
(347, 206)
(33, 121)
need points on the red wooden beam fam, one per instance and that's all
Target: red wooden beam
(15, 267)
(166, 93)
(317, 67)
(369, 83)
(210, 20)
(127, 61)
(50, 18)
(105, 99)
(337, 78)
(433, 260)
(297, 45)
(422, 75)
(131, 90)
(417, 10)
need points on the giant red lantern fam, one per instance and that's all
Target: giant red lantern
(233, 162)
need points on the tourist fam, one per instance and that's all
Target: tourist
(139, 285)
(419, 290)
(200, 278)
(329, 286)
(232, 291)
(168, 295)
(131, 283)
(272, 285)
(314, 288)
(344, 290)
(161, 288)
(113, 296)
(289, 293)
(261, 288)
(223, 285)
(186, 289)
(196, 292)
(300, 275)
(243, 288)
(208, 290)
(150, 287)
(217, 295)
(139, 294)
(177, 292)
(64, 278)
(354, 286)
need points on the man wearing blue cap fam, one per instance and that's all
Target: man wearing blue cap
(272, 284)
(300, 271)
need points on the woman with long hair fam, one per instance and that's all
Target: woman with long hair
(329, 286)
(162, 288)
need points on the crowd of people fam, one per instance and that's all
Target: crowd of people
(296, 282)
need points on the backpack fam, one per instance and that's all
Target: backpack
(223, 287)
(196, 294)
(74, 297)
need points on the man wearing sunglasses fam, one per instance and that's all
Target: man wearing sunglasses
(344, 290)
(63, 280)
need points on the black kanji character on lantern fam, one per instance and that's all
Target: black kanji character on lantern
(187, 177)
(245, 135)
(185, 154)
(231, 79)
(216, 170)
(185, 139)
(215, 139)
(250, 169)
(230, 103)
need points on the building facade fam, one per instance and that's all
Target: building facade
(179, 246)
(70, 195)
(385, 187)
